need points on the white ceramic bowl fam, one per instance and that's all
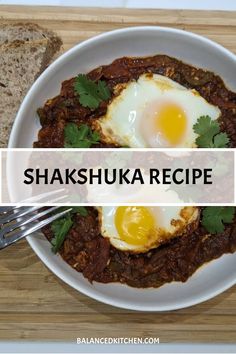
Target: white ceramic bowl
(210, 279)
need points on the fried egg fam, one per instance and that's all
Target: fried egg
(138, 229)
(153, 111)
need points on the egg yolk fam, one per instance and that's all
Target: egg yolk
(171, 123)
(134, 224)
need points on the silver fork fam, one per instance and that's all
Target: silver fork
(18, 222)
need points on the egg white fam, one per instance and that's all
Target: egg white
(130, 113)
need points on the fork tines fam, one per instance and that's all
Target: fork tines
(18, 222)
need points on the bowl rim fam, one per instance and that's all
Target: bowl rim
(52, 68)
(122, 304)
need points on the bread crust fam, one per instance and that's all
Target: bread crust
(26, 49)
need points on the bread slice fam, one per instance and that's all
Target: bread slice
(20, 63)
(26, 32)
(25, 51)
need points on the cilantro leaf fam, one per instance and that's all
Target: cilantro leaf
(62, 226)
(95, 136)
(60, 229)
(103, 90)
(228, 214)
(209, 133)
(89, 101)
(73, 134)
(214, 218)
(203, 141)
(221, 140)
(79, 209)
(74, 210)
(91, 93)
(204, 124)
(80, 137)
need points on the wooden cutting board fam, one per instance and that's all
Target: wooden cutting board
(34, 304)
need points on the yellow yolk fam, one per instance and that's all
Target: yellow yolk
(171, 123)
(134, 224)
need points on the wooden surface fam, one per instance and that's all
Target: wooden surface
(77, 24)
(34, 304)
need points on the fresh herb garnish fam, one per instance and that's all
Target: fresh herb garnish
(60, 229)
(209, 133)
(74, 210)
(80, 210)
(91, 93)
(80, 137)
(62, 226)
(213, 218)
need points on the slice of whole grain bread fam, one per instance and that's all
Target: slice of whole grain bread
(25, 51)
(26, 32)
(20, 63)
